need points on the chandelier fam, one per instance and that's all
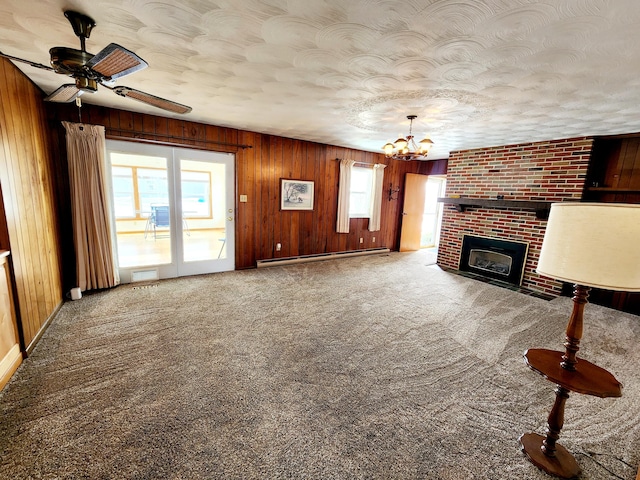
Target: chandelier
(406, 148)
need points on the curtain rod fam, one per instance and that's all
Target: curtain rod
(135, 133)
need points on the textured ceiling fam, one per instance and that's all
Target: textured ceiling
(348, 72)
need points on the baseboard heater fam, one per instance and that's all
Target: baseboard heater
(272, 262)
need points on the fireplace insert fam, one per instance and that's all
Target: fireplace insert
(494, 258)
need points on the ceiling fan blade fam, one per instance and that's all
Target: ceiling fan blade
(150, 99)
(114, 61)
(65, 94)
(28, 62)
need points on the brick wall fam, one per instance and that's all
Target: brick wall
(545, 171)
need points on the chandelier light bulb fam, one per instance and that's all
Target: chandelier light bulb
(388, 149)
(400, 143)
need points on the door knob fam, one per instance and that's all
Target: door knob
(230, 218)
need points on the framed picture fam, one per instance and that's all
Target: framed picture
(296, 194)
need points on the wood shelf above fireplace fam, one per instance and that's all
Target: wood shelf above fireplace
(541, 208)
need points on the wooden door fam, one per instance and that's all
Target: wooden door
(413, 209)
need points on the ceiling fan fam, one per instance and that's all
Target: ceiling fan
(88, 70)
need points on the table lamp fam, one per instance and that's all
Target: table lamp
(588, 245)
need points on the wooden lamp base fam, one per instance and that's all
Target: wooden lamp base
(562, 464)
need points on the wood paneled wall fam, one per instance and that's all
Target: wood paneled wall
(259, 167)
(29, 193)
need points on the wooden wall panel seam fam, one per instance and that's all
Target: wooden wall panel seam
(30, 208)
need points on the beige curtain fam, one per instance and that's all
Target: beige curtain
(344, 188)
(92, 234)
(376, 201)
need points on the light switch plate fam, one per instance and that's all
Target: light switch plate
(243, 198)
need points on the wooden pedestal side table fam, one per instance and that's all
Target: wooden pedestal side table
(587, 245)
(569, 375)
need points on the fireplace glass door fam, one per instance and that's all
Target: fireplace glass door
(490, 261)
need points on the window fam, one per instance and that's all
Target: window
(152, 187)
(360, 192)
(196, 192)
(137, 188)
(124, 201)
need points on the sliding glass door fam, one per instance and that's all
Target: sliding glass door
(173, 210)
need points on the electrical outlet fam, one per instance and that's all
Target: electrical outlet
(278, 247)
(362, 240)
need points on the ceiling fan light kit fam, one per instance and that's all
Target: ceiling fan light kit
(407, 148)
(88, 70)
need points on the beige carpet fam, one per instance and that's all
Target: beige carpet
(360, 368)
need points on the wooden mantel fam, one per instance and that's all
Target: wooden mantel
(541, 208)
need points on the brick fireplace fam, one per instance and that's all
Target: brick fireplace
(551, 171)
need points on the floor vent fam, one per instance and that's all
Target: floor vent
(145, 275)
(141, 287)
(272, 262)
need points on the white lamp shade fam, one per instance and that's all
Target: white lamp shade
(593, 244)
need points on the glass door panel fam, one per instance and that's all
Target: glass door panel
(140, 187)
(202, 230)
(206, 209)
(432, 212)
